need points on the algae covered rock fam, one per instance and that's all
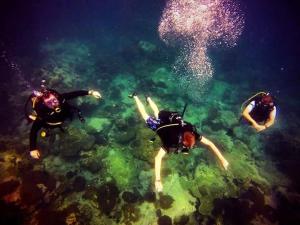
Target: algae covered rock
(79, 183)
(165, 201)
(164, 220)
(228, 119)
(122, 167)
(92, 164)
(35, 185)
(125, 137)
(131, 213)
(8, 187)
(183, 202)
(208, 185)
(99, 124)
(130, 197)
(108, 197)
(74, 141)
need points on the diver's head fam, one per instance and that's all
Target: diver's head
(51, 100)
(189, 139)
(267, 100)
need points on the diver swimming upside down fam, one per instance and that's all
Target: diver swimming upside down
(177, 135)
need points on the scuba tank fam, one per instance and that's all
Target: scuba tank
(29, 112)
(170, 117)
(245, 103)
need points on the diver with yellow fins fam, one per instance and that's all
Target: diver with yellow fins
(259, 111)
(49, 109)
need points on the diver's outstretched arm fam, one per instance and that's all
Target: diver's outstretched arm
(246, 115)
(141, 107)
(36, 126)
(75, 94)
(215, 150)
(153, 107)
(158, 158)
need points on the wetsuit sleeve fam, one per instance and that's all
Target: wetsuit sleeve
(74, 94)
(36, 126)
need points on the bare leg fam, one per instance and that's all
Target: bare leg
(153, 107)
(141, 107)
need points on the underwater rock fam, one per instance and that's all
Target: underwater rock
(35, 184)
(87, 211)
(284, 150)
(74, 216)
(228, 119)
(125, 137)
(164, 220)
(99, 124)
(243, 209)
(8, 187)
(108, 196)
(158, 213)
(165, 201)
(91, 193)
(233, 211)
(182, 220)
(30, 193)
(115, 93)
(11, 214)
(122, 125)
(50, 217)
(256, 196)
(75, 141)
(101, 139)
(130, 197)
(122, 167)
(71, 174)
(130, 213)
(79, 183)
(91, 164)
(150, 197)
(288, 211)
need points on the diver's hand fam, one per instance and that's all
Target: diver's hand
(158, 186)
(225, 164)
(95, 94)
(35, 154)
(259, 127)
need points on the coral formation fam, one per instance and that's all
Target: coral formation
(101, 172)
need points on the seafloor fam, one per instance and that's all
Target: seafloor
(102, 171)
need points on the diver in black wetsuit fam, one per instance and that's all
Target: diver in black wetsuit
(260, 111)
(49, 110)
(177, 135)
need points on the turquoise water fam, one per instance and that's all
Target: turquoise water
(102, 171)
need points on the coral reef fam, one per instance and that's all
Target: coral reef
(101, 172)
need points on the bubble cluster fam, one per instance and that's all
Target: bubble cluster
(15, 69)
(194, 25)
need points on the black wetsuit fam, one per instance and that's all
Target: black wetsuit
(171, 133)
(261, 113)
(48, 118)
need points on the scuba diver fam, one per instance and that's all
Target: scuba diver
(260, 111)
(49, 109)
(177, 135)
